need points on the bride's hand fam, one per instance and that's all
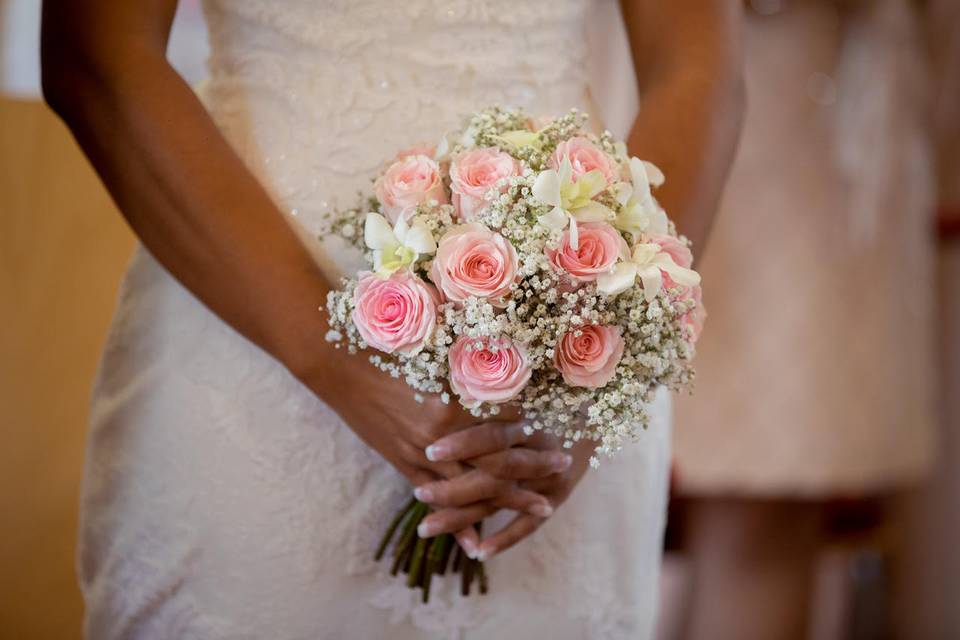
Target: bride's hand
(556, 488)
(541, 465)
(384, 413)
(455, 496)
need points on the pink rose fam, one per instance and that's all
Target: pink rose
(471, 260)
(422, 149)
(495, 372)
(395, 314)
(474, 173)
(589, 359)
(407, 183)
(694, 319)
(600, 246)
(584, 158)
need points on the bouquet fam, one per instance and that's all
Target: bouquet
(519, 261)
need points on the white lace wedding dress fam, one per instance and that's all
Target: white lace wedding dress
(221, 498)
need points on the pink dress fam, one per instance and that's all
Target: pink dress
(815, 370)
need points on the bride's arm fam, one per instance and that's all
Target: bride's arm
(687, 56)
(180, 186)
(203, 215)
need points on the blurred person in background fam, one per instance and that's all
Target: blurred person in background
(929, 567)
(815, 374)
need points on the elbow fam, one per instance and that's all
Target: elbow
(54, 85)
(74, 71)
(76, 78)
(65, 74)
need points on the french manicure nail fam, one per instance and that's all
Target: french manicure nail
(424, 530)
(562, 461)
(423, 494)
(437, 452)
(483, 555)
(541, 510)
(470, 549)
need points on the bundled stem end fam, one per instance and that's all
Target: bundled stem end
(422, 558)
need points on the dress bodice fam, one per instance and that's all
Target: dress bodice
(317, 95)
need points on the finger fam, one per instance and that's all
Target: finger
(518, 529)
(416, 474)
(453, 519)
(508, 413)
(543, 440)
(478, 440)
(448, 470)
(469, 540)
(521, 463)
(415, 457)
(546, 486)
(524, 501)
(472, 486)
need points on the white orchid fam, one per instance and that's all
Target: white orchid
(648, 262)
(639, 212)
(396, 247)
(571, 201)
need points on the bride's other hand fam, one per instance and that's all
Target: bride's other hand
(383, 412)
(556, 488)
(500, 468)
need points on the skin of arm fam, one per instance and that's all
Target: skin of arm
(180, 186)
(688, 61)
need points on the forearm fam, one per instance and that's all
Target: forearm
(688, 60)
(193, 203)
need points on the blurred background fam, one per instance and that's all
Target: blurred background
(817, 474)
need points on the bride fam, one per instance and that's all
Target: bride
(239, 469)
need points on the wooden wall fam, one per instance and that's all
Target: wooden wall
(63, 248)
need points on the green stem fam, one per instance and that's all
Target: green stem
(458, 558)
(402, 551)
(467, 577)
(436, 551)
(400, 560)
(422, 558)
(482, 578)
(416, 563)
(388, 536)
(410, 526)
(447, 552)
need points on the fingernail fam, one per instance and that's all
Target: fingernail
(424, 530)
(483, 555)
(470, 549)
(437, 452)
(423, 494)
(562, 461)
(541, 510)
